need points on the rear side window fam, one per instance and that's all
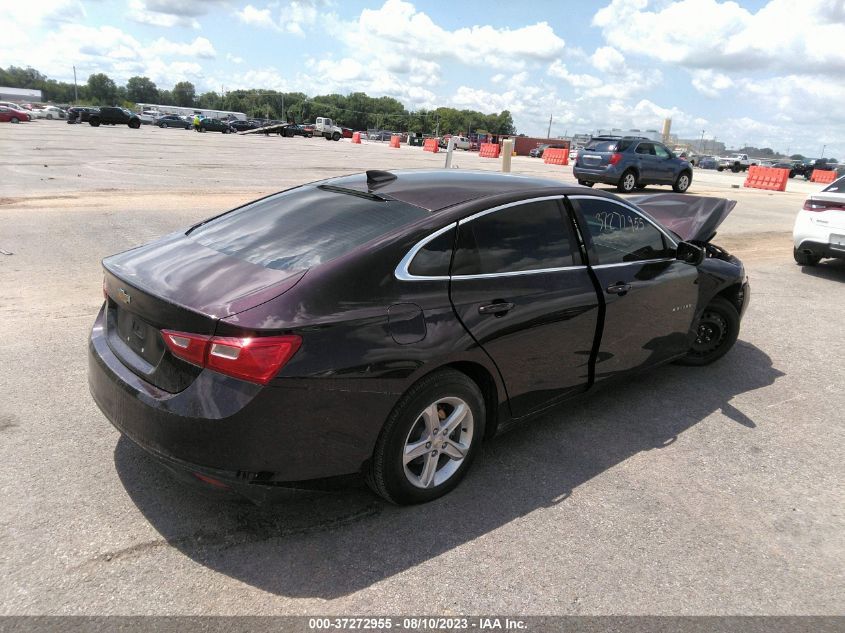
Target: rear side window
(837, 186)
(433, 259)
(304, 227)
(530, 236)
(645, 148)
(621, 235)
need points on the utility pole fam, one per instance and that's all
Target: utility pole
(824, 147)
(75, 91)
(549, 132)
(700, 141)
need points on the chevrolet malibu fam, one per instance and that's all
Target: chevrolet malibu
(384, 324)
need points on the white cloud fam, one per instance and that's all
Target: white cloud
(293, 18)
(200, 47)
(783, 35)
(559, 70)
(234, 58)
(711, 83)
(607, 59)
(397, 27)
(166, 13)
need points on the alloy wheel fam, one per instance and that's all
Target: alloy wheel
(438, 442)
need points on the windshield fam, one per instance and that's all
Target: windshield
(304, 227)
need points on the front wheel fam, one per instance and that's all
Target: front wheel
(93, 122)
(716, 333)
(336, 136)
(134, 124)
(162, 125)
(15, 119)
(682, 182)
(805, 259)
(628, 182)
(429, 440)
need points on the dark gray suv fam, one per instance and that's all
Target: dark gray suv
(631, 163)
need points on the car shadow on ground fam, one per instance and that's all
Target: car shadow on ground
(833, 269)
(332, 545)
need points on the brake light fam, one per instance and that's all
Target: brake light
(254, 359)
(615, 158)
(823, 205)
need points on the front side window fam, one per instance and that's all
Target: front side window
(525, 237)
(620, 235)
(661, 151)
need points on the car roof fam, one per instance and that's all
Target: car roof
(436, 189)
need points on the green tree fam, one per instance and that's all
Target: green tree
(184, 94)
(141, 90)
(101, 89)
(797, 157)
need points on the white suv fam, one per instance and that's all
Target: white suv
(820, 226)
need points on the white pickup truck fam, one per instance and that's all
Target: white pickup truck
(736, 163)
(325, 128)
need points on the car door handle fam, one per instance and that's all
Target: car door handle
(498, 308)
(618, 288)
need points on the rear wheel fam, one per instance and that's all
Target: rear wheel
(716, 333)
(429, 439)
(682, 182)
(805, 259)
(94, 122)
(628, 182)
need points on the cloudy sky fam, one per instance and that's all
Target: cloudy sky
(763, 72)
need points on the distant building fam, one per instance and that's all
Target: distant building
(16, 95)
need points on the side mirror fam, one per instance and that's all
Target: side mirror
(689, 253)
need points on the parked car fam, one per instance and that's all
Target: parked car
(786, 164)
(631, 163)
(242, 126)
(172, 120)
(736, 163)
(537, 152)
(146, 119)
(10, 115)
(707, 162)
(297, 130)
(819, 229)
(114, 116)
(807, 167)
(215, 125)
(80, 114)
(392, 332)
(35, 113)
(52, 112)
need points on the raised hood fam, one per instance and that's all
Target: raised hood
(694, 218)
(183, 272)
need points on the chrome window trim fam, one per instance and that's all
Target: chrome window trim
(630, 207)
(512, 273)
(401, 273)
(508, 206)
(636, 261)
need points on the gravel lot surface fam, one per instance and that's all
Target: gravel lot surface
(714, 490)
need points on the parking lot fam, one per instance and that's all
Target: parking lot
(714, 490)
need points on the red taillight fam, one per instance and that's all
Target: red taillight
(190, 347)
(615, 158)
(253, 359)
(823, 205)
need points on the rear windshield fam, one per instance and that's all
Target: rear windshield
(601, 146)
(303, 227)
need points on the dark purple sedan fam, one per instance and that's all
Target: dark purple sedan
(384, 324)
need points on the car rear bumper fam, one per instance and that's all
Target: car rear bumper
(609, 175)
(821, 249)
(299, 434)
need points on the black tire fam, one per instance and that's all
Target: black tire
(735, 168)
(386, 474)
(15, 119)
(717, 331)
(94, 122)
(134, 124)
(805, 259)
(49, 116)
(682, 182)
(720, 168)
(628, 182)
(309, 136)
(336, 136)
(585, 183)
(162, 125)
